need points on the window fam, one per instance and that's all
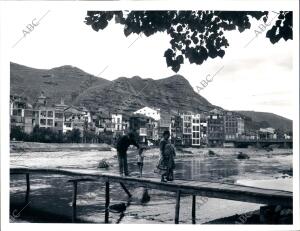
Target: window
(118, 120)
(196, 135)
(28, 113)
(43, 114)
(50, 122)
(195, 121)
(16, 112)
(50, 113)
(59, 115)
(43, 122)
(58, 124)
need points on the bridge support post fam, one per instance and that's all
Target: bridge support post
(74, 201)
(106, 201)
(125, 189)
(194, 210)
(27, 188)
(177, 207)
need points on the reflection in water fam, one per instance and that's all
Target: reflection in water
(222, 168)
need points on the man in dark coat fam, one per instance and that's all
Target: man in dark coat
(122, 146)
(165, 164)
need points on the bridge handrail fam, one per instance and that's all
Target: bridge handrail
(208, 189)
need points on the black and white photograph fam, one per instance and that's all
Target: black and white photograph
(138, 112)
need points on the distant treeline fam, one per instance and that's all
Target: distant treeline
(47, 135)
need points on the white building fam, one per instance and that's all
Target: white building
(191, 129)
(267, 133)
(196, 130)
(267, 130)
(117, 123)
(153, 113)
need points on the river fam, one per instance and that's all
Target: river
(263, 169)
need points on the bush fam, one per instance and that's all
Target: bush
(106, 137)
(17, 133)
(73, 136)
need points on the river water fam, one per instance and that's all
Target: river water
(263, 169)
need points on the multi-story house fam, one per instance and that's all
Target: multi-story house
(46, 117)
(138, 124)
(117, 124)
(187, 129)
(196, 130)
(191, 129)
(74, 119)
(164, 124)
(215, 128)
(203, 128)
(176, 130)
(267, 133)
(102, 120)
(59, 116)
(233, 126)
(125, 123)
(17, 111)
(29, 120)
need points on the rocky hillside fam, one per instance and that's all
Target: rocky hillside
(266, 119)
(63, 82)
(129, 94)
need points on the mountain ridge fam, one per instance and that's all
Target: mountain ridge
(59, 82)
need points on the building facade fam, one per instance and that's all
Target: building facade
(17, 111)
(196, 130)
(176, 130)
(215, 128)
(187, 129)
(117, 123)
(233, 126)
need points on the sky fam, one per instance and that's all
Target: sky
(256, 77)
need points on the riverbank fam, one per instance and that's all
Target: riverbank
(19, 146)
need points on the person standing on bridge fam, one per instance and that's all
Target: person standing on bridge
(166, 162)
(122, 146)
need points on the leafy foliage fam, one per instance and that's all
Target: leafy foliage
(16, 133)
(73, 136)
(195, 35)
(282, 28)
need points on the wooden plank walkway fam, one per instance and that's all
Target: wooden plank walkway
(194, 188)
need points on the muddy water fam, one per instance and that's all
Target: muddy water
(263, 169)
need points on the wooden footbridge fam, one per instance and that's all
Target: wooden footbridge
(180, 187)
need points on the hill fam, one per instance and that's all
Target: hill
(129, 94)
(266, 119)
(65, 82)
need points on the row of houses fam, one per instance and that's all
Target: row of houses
(212, 128)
